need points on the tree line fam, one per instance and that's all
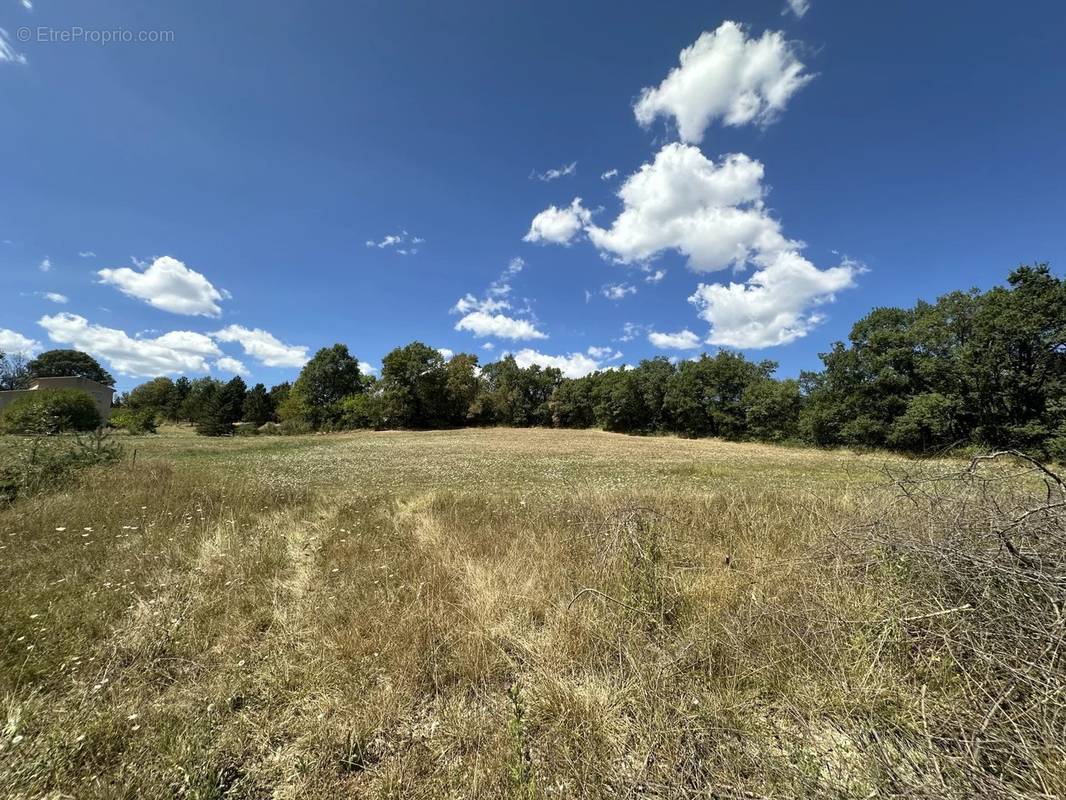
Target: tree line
(985, 368)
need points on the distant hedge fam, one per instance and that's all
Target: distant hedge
(48, 411)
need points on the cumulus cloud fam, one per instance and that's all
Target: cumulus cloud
(173, 352)
(482, 315)
(264, 347)
(711, 213)
(8, 54)
(12, 342)
(169, 285)
(611, 173)
(655, 277)
(775, 305)
(56, 297)
(45, 265)
(86, 254)
(617, 291)
(233, 365)
(798, 7)
(682, 340)
(714, 215)
(558, 225)
(555, 174)
(446, 353)
(726, 76)
(481, 323)
(574, 365)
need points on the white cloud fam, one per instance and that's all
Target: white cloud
(575, 365)
(488, 346)
(773, 306)
(481, 323)
(167, 284)
(12, 342)
(227, 364)
(264, 347)
(555, 174)
(86, 254)
(798, 7)
(410, 243)
(617, 291)
(714, 215)
(173, 352)
(558, 225)
(604, 353)
(445, 353)
(682, 340)
(468, 303)
(501, 287)
(725, 76)
(611, 173)
(482, 317)
(56, 297)
(27, 4)
(711, 213)
(8, 54)
(631, 331)
(45, 265)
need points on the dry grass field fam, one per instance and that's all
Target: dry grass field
(527, 613)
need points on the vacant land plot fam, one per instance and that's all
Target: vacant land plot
(496, 613)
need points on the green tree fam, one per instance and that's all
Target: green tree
(195, 403)
(413, 380)
(231, 400)
(217, 406)
(772, 409)
(69, 364)
(50, 411)
(330, 376)
(157, 396)
(461, 388)
(258, 408)
(705, 397)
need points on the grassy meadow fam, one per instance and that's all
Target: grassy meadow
(525, 614)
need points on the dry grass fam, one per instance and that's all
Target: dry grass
(489, 614)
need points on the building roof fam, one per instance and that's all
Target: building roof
(66, 379)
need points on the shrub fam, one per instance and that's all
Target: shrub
(45, 464)
(362, 411)
(49, 411)
(140, 421)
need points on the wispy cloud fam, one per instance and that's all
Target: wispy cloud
(554, 174)
(401, 243)
(8, 54)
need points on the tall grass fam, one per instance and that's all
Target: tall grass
(552, 627)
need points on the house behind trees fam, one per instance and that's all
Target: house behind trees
(100, 393)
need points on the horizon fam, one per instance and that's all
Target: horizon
(227, 193)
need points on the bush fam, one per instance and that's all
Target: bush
(46, 464)
(49, 411)
(141, 421)
(362, 411)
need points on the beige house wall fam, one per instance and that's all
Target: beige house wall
(100, 393)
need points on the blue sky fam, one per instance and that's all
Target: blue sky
(215, 202)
